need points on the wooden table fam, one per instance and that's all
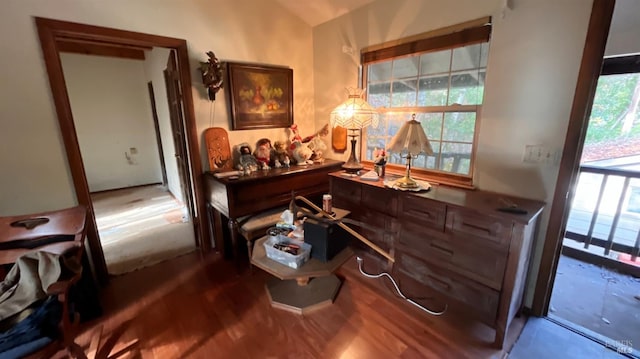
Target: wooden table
(259, 191)
(312, 286)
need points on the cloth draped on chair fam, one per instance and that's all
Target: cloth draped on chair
(29, 278)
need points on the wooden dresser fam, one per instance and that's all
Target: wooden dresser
(449, 244)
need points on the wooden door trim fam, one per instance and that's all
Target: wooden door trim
(592, 58)
(156, 127)
(49, 31)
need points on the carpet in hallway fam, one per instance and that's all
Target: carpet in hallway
(140, 227)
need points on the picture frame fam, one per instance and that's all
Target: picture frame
(260, 96)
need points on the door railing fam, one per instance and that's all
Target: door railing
(606, 214)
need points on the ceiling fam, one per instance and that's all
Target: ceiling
(316, 12)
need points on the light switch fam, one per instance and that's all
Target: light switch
(540, 154)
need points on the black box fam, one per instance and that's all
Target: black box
(326, 238)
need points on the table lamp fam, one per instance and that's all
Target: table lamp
(412, 141)
(354, 114)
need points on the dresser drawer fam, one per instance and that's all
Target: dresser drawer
(423, 211)
(419, 279)
(345, 192)
(484, 264)
(380, 229)
(472, 225)
(380, 199)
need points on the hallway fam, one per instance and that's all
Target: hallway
(141, 226)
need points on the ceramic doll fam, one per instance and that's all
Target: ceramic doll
(263, 153)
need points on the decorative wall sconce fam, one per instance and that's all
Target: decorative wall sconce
(212, 75)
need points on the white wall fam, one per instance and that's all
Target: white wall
(35, 175)
(534, 57)
(112, 114)
(154, 65)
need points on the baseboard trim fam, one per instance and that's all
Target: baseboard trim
(127, 187)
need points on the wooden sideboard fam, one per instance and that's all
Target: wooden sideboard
(260, 191)
(449, 244)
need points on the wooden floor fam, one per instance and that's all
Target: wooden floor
(194, 307)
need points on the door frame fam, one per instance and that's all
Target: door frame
(590, 67)
(156, 127)
(176, 119)
(50, 31)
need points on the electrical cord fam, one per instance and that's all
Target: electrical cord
(385, 274)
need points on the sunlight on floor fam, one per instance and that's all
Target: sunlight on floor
(141, 226)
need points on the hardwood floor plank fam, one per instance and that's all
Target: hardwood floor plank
(194, 307)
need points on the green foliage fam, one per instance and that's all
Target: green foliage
(612, 99)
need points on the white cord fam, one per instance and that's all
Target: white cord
(385, 274)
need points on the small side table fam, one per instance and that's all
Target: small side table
(312, 286)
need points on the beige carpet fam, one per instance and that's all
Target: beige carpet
(141, 226)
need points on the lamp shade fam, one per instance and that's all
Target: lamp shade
(411, 138)
(355, 112)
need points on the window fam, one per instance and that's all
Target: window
(441, 80)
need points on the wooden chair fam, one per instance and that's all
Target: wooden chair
(59, 232)
(254, 227)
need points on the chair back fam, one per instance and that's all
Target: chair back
(55, 232)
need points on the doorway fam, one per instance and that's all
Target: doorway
(140, 197)
(52, 34)
(568, 177)
(597, 285)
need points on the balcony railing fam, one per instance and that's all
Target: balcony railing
(605, 212)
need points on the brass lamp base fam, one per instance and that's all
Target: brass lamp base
(406, 182)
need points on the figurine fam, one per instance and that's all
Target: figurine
(301, 153)
(317, 146)
(279, 152)
(379, 157)
(263, 153)
(247, 162)
(299, 148)
(287, 162)
(379, 161)
(212, 75)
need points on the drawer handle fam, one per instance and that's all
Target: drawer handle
(439, 282)
(480, 228)
(420, 214)
(441, 249)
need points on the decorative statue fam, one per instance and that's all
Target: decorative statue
(300, 151)
(379, 157)
(263, 153)
(279, 153)
(211, 75)
(379, 161)
(317, 146)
